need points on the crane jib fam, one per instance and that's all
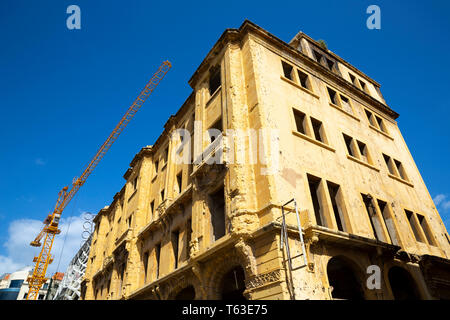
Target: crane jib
(50, 229)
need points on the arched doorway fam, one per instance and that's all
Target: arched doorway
(232, 285)
(342, 277)
(187, 293)
(402, 284)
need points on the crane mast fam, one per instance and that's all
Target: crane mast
(50, 229)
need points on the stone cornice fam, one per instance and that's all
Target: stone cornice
(230, 35)
(301, 35)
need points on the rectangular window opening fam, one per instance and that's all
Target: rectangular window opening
(214, 81)
(156, 166)
(300, 119)
(217, 210)
(370, 117)
(317, 56)
(333, 189)
(304, 80)
(330, 64)
(145, 263)
(346, 104)
(352, 78)
(363, 85)
(314, 188)
(426, 229)
(348, 143)
(157, 257)
(387, 159)
(388, 221)
(215, 130)
(363, 151)
(188, 236)
(381, 124)
(152, 208)
(400, 169)
(175, 240)
(287, 70)
(317, 129)
(179, 182)
(166, 155)
(413, 224)
(374, 221)
(333, 96)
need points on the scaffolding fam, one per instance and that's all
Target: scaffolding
(70, 286)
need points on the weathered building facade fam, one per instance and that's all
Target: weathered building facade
(297, 122)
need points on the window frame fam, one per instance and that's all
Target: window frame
(308, 127)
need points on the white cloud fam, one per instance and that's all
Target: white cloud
(22, 232)
(39, 162)
(439, 198)
(441, 202)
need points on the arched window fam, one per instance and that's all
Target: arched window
(402, 284)
(342, 277)
(187, 293)
(232, 285)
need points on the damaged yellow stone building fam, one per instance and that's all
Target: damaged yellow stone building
(309, 192)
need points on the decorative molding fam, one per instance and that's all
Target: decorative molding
(263, 279)
(246, 253)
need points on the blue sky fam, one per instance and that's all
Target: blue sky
(63, 91)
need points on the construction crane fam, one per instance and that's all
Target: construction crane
(50, 229)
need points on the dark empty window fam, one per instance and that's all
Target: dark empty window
(333, 96)
(330, 64)
(214, 81)
(373, 217)
(363, 151)
(162, 195)
(179, 182)
(387, 159)
(370, 117)
(414, 226)
(426, 229)
(333, 189)
(346, 104)
(388, 221)
(314, 188)
(156, 166)
(317, 56)
(157, 257)
(400, 169)
(363, 85)
(213, 134)
(152, 207)
(166, 155)
(304, 80)
(145, 264)
(188, 236)
(352, 78)
(348, 143)
(175, 240)
(287, 70)
(381, 124)
(217, 210)
(300, 119)
(317, 129)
